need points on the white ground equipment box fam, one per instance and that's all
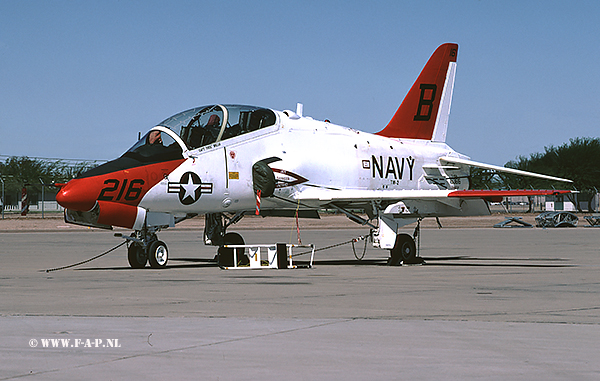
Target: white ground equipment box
(274, 256)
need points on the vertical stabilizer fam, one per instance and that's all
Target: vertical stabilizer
(424, 111)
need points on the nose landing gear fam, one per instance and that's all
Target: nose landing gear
(143, 247)
(158, 255)
(136, 255)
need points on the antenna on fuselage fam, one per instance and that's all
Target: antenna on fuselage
(299, 109)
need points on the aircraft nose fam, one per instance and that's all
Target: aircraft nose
(75, 195)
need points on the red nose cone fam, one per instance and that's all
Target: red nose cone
(76, 195)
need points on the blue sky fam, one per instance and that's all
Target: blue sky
(79, 79)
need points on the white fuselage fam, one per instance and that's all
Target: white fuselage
(325, 155)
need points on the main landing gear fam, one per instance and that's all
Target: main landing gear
(405, 250)
(215, 227)
(225, 256)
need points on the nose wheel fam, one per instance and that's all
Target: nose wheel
(158, 255)
(145, 248)
(137, 256)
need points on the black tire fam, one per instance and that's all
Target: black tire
(225, 256)
(136, 256)
(404, 251)
(158, 255)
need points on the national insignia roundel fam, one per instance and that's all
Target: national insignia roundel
(189, 188)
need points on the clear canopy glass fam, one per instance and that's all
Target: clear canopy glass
(199, 127)
(205, 125)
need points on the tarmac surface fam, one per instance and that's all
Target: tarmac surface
(512, 303)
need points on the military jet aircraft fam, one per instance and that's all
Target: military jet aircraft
(225, 161)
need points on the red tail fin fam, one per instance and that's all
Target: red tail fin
(424, 111)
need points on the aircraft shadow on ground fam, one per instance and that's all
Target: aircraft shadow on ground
(467, 261)
(202, 263)
(196, 263)
(458, 261)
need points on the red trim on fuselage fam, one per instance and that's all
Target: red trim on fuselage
(117, 214)
(126, 186)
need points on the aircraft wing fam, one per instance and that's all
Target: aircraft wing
(455, 160)
(428, 202)
(359, 195)
(421, 203)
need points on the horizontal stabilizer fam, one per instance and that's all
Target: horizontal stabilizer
(454, 160)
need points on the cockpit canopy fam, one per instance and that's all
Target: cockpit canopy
(156, 146)
(187, 131)
(199, 127)
(206, 125)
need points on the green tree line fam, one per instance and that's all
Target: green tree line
(17, 172)
(578, 160)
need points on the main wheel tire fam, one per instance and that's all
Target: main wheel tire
(136, 256)
(404, 251)
(158, 255)
(225, 255)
